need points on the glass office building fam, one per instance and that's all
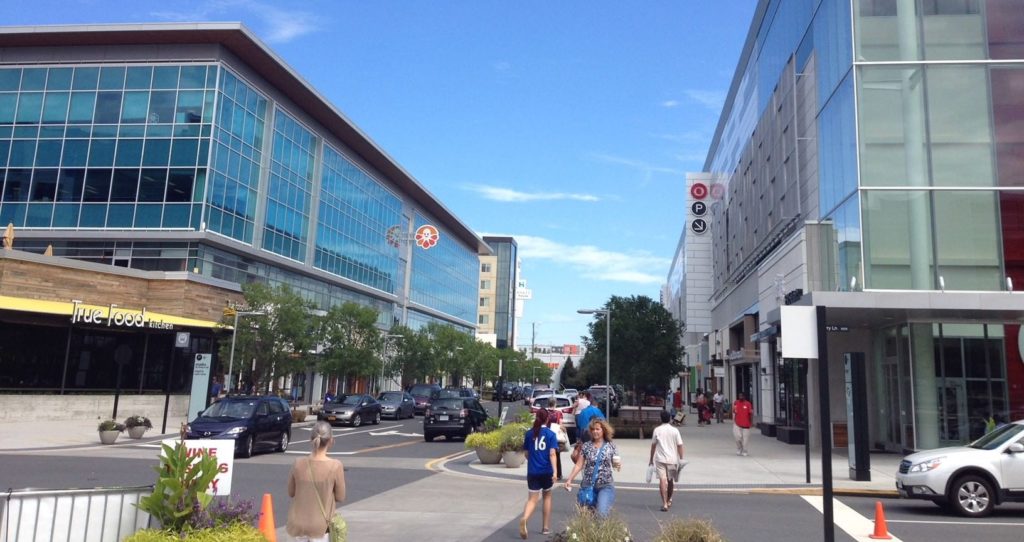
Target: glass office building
(869, 160)
(194, 149)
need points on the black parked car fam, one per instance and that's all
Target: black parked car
(252, 422)
(450, 392)
(421, 394)
(351, 409)
(453, 417)
(396, 404)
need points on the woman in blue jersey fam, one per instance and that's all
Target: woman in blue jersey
(541, 445)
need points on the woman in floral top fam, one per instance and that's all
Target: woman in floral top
(601, 434)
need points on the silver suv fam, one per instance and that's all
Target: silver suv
(969, 480)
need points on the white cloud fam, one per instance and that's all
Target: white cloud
(647, 169)
(276, 25)
(638, 267)
(670, 104)
(498, 193)
(712, 99)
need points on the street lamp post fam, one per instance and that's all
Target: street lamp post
(607, 355)
(234, 333)
(386, 338)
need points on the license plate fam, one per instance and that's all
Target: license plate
(331, 418)
(442, 418)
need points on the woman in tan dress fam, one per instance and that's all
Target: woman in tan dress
(312, 476)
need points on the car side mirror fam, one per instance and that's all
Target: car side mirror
(1016, 448)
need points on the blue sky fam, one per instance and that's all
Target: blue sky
(568, 125)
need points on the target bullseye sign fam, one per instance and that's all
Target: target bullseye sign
(699, 190)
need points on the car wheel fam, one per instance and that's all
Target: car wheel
(429, 437)
(247, 446)
(376, 418)
(971, 496)
(357, 420)
(282, 445)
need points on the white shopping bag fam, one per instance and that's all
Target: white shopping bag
(650, 473)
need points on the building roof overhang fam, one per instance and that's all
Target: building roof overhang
(880, 308)
(240, 41)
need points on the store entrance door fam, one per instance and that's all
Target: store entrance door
(952, 413)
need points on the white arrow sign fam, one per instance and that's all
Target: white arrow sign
(395, 433)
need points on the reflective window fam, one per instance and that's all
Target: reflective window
(235, 161)
(898, 241)
(959, 131)
(831, 31)
(892, 127)
(967, 241)
(444, 277)
(289, 189)
(837, 149)
(356, 212)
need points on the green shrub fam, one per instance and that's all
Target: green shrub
(110, 425)
(491, 441)
(180, 489)
(586, 526)
(512, 436)
(238, 532)
(138, 420)
(491, 424)
(689, 530)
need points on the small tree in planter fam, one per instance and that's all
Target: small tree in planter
(109, 431)
(512, 437)
(688, 530)
(137, 425)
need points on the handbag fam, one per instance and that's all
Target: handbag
(337, 529)
(563, 438)
(587, 496)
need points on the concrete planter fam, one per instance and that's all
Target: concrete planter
(488, 456)
(137, 431)
(109, 437)
(513, 459)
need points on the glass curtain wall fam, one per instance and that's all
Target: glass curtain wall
(444, 277)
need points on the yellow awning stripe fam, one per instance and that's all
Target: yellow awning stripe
(62, 308)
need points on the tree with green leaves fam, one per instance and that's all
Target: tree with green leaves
(413, 357)
(351, 343)
(645, 348)
(275, 343)
(568, 376)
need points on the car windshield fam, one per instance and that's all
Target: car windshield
(390, 397)
(998, 437)
(453, 404)
(231, 409)
(421, 390)
(352, 400)
(538, 393)
(441, 394)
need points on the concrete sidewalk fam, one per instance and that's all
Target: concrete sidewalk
(713, 465)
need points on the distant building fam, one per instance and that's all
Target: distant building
(554, 357)
(496, 318)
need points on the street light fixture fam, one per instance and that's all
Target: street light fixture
(607, 354)
(386, 339)
(234, 333)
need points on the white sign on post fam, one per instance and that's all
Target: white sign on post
(200, 385)
(223, 450)
(799, 332)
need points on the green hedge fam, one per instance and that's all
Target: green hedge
(238, 532)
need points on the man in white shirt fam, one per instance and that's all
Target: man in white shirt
(666, 453)
(719, 400)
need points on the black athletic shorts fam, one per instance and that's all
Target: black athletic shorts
(539, 483)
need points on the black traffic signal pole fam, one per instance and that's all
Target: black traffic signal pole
(826, 425)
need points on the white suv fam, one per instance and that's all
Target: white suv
(969, 480)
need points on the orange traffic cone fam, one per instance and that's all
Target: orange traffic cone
(267, 519)
(881, 530)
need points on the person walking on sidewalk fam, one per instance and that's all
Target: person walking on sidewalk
(316, 485)
(555, 417)
(703, 416)
(597, 459)
(719, 401)
(742, 413)
(541, 447)
(666, 452)
(583, 419)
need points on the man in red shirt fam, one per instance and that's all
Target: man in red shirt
(742, 414)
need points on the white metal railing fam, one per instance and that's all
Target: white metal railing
(72, 515)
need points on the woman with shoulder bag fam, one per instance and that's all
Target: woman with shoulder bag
(316, 485)
(597, 459)
(555, 425)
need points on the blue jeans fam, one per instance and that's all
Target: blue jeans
(605, 499)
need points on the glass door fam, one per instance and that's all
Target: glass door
(952, 413)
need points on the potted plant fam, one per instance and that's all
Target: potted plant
(512, 436)
(109, 430)
(487, 446)
(137, 425)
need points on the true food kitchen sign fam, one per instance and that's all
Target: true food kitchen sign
(112, 316)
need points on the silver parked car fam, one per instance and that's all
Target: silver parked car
(969, 480)
(396, 404)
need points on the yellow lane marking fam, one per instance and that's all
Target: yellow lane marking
(431, 464)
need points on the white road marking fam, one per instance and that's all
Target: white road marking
(847, 519)
(395, 433)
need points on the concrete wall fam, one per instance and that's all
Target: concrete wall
(92, 408)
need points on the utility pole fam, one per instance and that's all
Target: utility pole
(533, 339)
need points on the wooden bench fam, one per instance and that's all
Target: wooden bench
(640, 416)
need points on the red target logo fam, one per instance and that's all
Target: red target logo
(699, 190)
